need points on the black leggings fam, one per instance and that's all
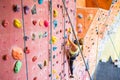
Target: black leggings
(72, 58)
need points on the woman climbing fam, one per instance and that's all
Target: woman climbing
(73, 52)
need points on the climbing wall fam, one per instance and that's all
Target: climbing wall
(37, 30)
(11, 37)
(25, 39)
(84, 17)
(60, 63)
(102, 20)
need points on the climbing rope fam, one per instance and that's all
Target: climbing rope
(50, 6)
(64, 39)
(24, 40)
(76, 38)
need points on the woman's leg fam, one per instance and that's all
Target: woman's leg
(71, 66)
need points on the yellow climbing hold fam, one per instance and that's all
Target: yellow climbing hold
(90, 17)
(17, 23)
(54, 71)
(55, 13)
(57, 77)
(54, 39)
(69, 30)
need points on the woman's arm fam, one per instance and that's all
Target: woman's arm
(72, 45)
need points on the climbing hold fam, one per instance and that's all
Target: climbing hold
(33, 10)
(17, 53)
(40, 35)
(40, 1)
(40, 23)
(46, 23)
(60, 31)
(57, 77)
(55, 13)
(55, 22)
(45, 35)
(54, 56)
(45, 62)
(26, 9)
(18, 66)
(26, 38)
(5, 23)
(35, 78)
(54, 71)
(69, 30)
(5, 57)
(54, 48)
(50, 75)
(79, 25)
(65, 36)
(57, 62)
(40, 66)
(16, 8)
(90, 16)
(33, 36)
(34, 22)
(34, 58)
(17, 23)
(80, 16)
(80, 31)
(58, 5)
(54, 40)
(26, 50)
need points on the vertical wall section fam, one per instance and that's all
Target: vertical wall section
(27, 41)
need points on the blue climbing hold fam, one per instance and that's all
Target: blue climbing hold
(65, 36)
(54, 48)
(55, 22)
(40, 1)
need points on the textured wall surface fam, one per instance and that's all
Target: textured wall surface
(34, 39)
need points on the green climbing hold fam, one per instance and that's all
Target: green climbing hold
(18, 66)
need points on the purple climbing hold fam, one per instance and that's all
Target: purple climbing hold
(26, 9)
(16, 8)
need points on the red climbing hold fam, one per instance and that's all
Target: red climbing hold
(46, 23)
(5, 23)
(34, 58)
(27, 51)
(34, 22)
(5, 57)
(35, 78)
(60, 31)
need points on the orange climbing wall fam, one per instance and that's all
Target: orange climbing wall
(87, 17)
(105, 4)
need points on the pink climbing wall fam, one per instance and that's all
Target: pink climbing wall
(10, 37)
(36, 63)
(37, 43)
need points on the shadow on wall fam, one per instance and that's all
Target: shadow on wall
(106, 71)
